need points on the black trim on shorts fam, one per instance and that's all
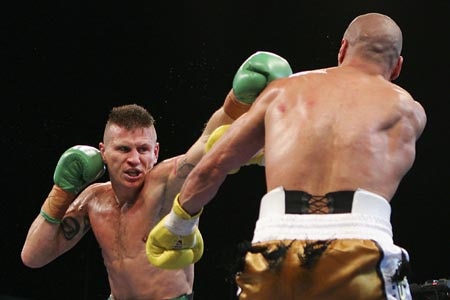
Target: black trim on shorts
(299, 202)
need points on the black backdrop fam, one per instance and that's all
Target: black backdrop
(65, 64)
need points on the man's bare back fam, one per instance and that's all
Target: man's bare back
(334, 129)
(346, 123)
(345, 134)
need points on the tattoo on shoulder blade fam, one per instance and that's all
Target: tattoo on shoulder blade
(184, 168)
(70, 227)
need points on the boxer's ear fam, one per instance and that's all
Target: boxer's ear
(397, 69)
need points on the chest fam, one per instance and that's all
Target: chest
(122, 231)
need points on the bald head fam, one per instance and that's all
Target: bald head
(375, 37)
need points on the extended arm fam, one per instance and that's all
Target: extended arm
(175, 241)
(250, 79)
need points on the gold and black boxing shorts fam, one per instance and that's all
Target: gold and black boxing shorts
(346, 253)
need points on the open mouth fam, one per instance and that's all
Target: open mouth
(133, 173)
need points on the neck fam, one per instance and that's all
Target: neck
(366, 67)
(125, 197)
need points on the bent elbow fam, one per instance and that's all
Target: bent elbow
(28, 259)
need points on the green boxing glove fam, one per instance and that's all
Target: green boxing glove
(256, 72)
(77, 167)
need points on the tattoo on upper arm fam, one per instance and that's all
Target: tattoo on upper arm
(71, 227)
(87, 224)
(184, 168)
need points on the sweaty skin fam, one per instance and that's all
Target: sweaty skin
(122, 241)
(121, 217)
(140, 192)
(340, 128)
(332, 129)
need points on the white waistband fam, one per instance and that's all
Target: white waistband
(364, 202)
(369, 219)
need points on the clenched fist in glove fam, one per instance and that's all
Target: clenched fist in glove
(175, 242)
(252, 77)
(256, 72)
(77, 167)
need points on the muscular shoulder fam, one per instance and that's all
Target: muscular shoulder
(311, 72)
(173, 168)
(89, 195)
(412, 109)
(164, 181)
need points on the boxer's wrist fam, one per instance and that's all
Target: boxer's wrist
(233, 107)
(49, 218)
(56, 204)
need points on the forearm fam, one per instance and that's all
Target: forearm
(200, 189)
(46, 239)
(250, 79)
(56, 204)
(218, 118)
(231, 110)
(233, 107)
(41, 243)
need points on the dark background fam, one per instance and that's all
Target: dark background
(65, 64)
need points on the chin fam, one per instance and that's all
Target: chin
(135, 183)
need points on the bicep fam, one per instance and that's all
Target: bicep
(197, 150)
(164, 182)
(191, 157)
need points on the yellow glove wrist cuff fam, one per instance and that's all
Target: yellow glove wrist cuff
(179, 211)
(180, 222)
